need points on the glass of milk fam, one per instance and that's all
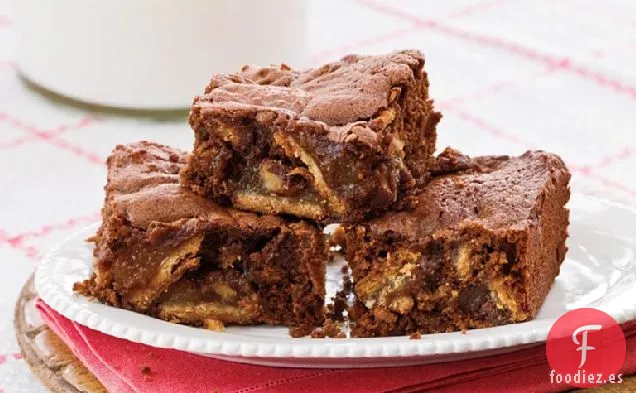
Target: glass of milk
(152, 54)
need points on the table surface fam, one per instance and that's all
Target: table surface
(509, 75)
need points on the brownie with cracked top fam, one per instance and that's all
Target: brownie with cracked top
(482, 248)
(169, 253)
(335, 143)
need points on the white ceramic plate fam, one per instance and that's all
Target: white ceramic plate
(599, 272)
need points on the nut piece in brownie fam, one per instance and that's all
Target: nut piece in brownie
(482, 248)
(171, 254)
(335, 143)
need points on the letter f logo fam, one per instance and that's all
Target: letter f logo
(584, 347)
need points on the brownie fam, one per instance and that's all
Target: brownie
(169, 253)
(335, 143)
(481, 249)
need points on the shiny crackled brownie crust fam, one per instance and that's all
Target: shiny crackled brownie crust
(482, 249)
(168, 253)
(334, 143)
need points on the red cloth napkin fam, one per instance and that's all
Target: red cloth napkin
(123, 366)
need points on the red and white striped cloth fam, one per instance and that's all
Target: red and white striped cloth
(509, 75)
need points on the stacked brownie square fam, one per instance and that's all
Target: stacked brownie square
(335, 143)
(233, 232)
